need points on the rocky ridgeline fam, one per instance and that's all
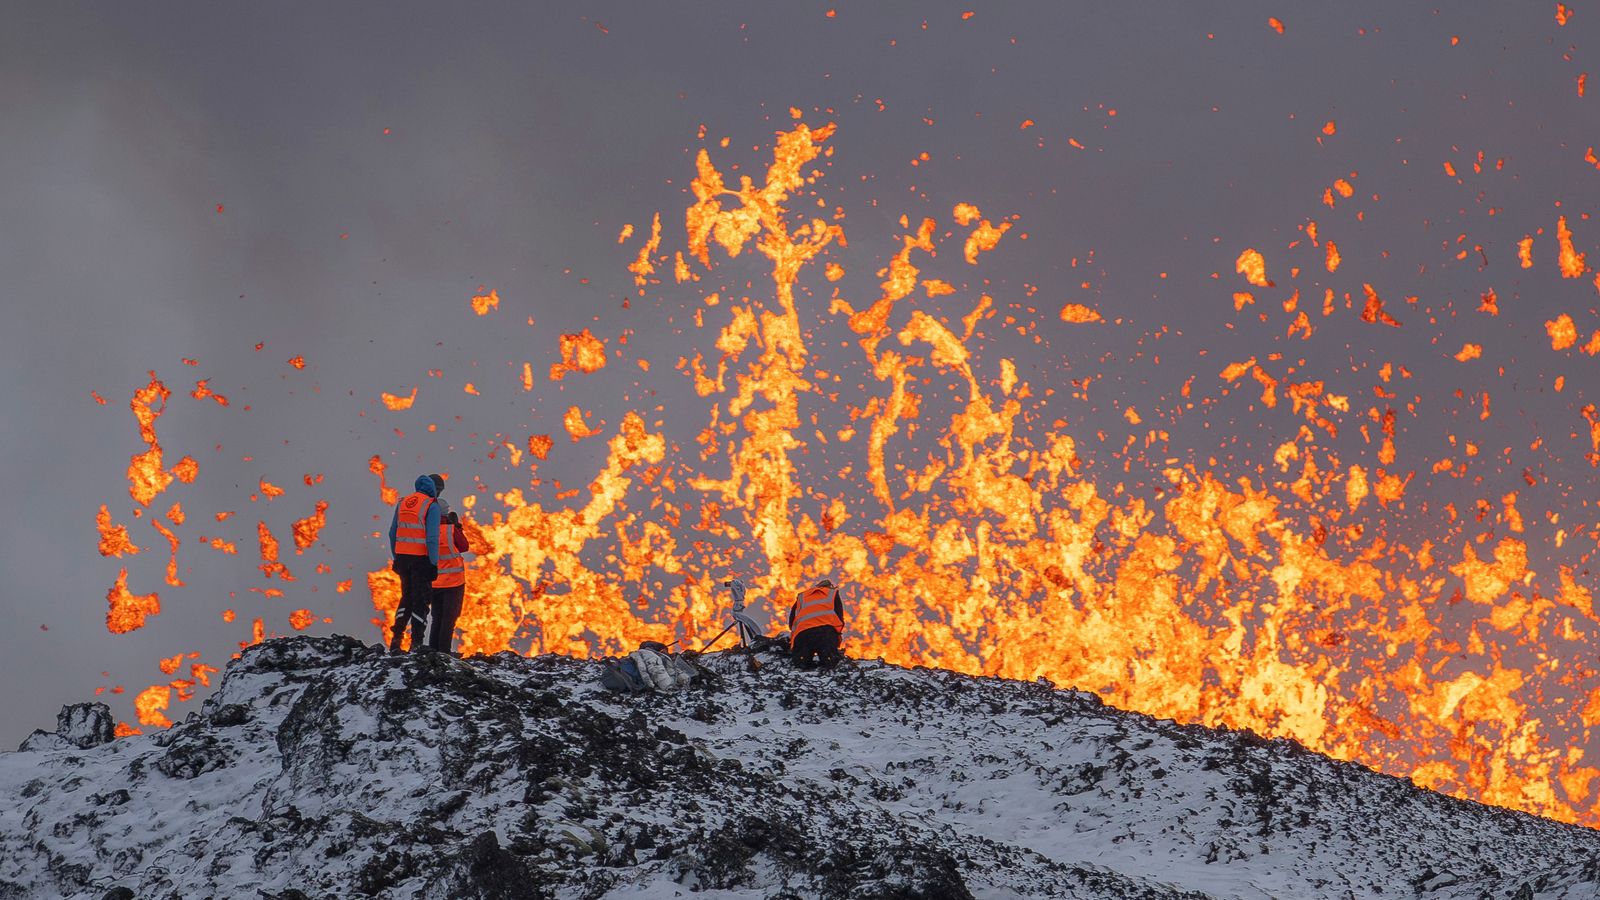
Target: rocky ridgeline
(325, 768)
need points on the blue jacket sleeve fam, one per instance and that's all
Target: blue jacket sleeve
(394, 524)
(433, 533)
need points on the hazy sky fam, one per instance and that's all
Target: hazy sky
(335, 181)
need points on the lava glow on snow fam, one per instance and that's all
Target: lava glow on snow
(1302, 590)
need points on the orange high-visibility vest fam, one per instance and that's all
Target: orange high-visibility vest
(452, 565)
(411, 531)
(814, 609)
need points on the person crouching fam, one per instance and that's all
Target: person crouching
(816, 622)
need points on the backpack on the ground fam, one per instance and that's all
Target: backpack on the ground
(650, 668)
(622, 676)
(661, 671)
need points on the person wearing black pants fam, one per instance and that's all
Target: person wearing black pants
(816, 648)
(450, 584)
(414, 541)
(416, 588)
(816, 622)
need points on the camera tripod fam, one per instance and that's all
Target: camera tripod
(749, 631)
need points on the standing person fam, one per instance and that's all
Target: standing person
(414, 541)
(815, 623)
(451, 584)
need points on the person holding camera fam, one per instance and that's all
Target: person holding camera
(414, 543)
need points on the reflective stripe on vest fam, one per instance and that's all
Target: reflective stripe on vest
(814, 609)
(452, 565)
(411, 531)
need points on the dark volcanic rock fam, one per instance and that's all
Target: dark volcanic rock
(324, 768)
(483, 870)
(898, 873)
(193, 754)
(85, 725)
(81, 725)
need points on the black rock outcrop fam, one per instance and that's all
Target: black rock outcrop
(325, 768)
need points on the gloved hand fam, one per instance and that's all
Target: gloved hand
(432, 571)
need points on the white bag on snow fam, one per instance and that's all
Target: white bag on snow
(659, 671)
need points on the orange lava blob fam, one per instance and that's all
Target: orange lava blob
(1563, 332)
(398, 402)
(1253, 266)
(307, 529)
(1373, 310)
(146, 477)
(1079, 314)
(114, 540)
(576, 426)
(581, 352)
(151, 704)
(984, 237)
(270, 566)
(642, 267)
(1573, 263)
(129, 610)
(202, 391)
(389, 495)
(486, 303)
(172, 559)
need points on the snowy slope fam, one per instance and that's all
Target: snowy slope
(326, 768)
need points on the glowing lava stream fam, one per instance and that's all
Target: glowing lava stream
(1250, 602)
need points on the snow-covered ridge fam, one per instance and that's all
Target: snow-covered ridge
(325, 768)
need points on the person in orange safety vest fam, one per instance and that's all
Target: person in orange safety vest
(816, 622)
(414, 541)
(451, 584)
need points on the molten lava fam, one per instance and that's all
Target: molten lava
(581, 352)
(1232, 601)
(307, 529)
(1298, 590)
(128, 610)
(114, 540)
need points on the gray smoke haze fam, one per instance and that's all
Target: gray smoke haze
(521, 137)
